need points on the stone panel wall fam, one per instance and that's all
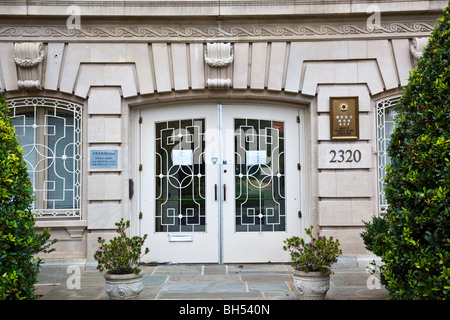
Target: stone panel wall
(289, 61)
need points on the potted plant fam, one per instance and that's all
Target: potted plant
(120, 260)
(311, 261)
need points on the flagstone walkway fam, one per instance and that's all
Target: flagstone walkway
(212, 282)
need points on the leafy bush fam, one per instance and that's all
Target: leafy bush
(18, 240)
(414, 238)
(316, 255)
(374, 238)
(375, 234)
(122, 254)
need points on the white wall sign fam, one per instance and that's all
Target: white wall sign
(255, 157)
(344, 156)
(182, 157)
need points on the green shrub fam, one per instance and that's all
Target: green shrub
(413, 238)
(374, 235)
(18, 240)
(121, 255)
(318, 254)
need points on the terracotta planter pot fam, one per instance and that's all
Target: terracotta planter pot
(312, 285)
(123, 286)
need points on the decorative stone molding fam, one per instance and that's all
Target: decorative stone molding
(230, 32)
(28, 56)
(218, 83)
(417, 47)
(218, 55)
(76, 231)
(224, 8)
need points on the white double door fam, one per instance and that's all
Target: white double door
(219, 183)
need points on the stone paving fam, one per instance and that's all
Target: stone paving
(216, 282)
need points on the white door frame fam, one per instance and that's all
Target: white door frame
(262, 246)
(178, 246)
(221, 258)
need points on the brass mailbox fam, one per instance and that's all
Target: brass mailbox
(344, 118)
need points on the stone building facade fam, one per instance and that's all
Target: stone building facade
(218, 128)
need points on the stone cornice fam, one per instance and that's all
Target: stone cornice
(235, 32)
(153, 8)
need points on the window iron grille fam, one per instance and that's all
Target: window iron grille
(386, 115)
(49, 132)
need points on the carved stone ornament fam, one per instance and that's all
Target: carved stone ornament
(417, 47)
(28, 56)
(218, 83)
(218, 55)
(312, 285)
(123, 286)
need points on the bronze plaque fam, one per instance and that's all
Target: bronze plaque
(344, 118)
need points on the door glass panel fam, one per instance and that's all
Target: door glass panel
(180, 176)
(259, 175)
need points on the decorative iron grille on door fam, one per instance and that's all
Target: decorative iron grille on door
(49, 132)
(259, 175)
(180, 176)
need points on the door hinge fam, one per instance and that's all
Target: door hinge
(299, 213)
(140, 215)
(299, 166)
(298, 119)
(140, 120)
(140, 167)
(130, 188)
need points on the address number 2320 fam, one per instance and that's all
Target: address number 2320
(345, 156)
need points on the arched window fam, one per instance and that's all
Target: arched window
(49, 132)
(385, 127)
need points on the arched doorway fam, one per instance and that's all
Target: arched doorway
(219, 183)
